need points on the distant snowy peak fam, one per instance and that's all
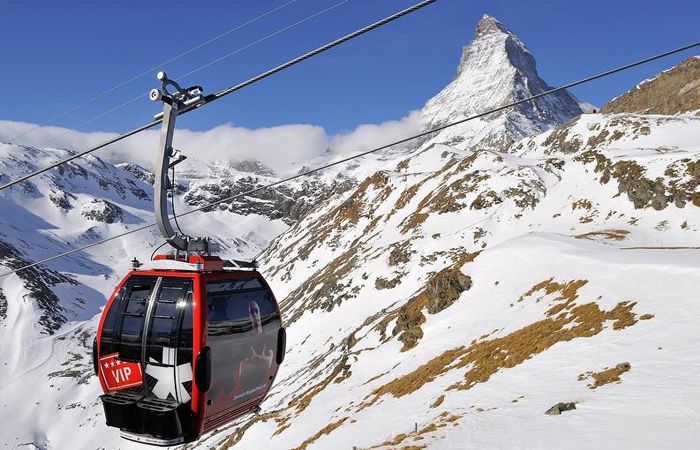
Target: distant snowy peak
(494, 42)
(253, 166)
(139, 172)
(496, 68)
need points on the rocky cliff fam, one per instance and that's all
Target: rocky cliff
(674, 91)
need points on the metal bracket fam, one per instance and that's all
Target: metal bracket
(168, 157)
(190, 97)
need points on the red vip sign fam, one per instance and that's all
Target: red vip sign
(120, 374)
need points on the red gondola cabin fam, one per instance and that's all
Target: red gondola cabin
(185, 347)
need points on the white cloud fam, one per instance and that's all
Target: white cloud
(283, 148)
(369, 136)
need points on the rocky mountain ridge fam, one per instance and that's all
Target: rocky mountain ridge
(446, 294)
(674, 91)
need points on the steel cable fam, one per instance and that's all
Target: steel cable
(197, 69)
(137, 76)
(223, 92)
(374, 150)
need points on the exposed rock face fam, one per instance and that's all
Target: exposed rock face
(62, 200)
(288, 202)
(285, 202)
(102, 211)
(146, 176)
(674, 91)
(139, 172)
(495, 69)
(3, 306)
(253, 166)
(38, 281)
(560, 408)
(441, 291)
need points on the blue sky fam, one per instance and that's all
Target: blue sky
(56, 54)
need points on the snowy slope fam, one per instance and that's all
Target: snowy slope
(445, 297)
(48, 314)
(398, 320)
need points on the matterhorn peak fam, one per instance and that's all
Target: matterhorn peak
(496, 69)
(493, 43)
(487, 25)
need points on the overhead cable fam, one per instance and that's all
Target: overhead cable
(145, 72)
(222, 93)
(197, 69)
(365, 153)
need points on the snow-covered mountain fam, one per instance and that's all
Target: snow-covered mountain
(450, 301)
(440, 296)
(495, 69)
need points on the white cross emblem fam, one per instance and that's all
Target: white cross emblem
(167, 383)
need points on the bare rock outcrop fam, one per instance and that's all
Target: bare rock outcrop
(674, 91)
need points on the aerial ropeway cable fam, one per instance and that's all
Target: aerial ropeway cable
(222, 93)
(199, 68)
(139, 75)
(374, 150)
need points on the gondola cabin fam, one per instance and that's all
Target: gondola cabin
(185, 347)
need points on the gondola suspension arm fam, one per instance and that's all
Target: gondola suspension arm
(173, 103)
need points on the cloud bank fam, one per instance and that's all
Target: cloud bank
(283, 148)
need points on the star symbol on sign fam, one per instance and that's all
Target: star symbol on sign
(111, 364)
(119, 363)
(167, 383)
(105, 365)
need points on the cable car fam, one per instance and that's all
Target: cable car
(191, 342)
(185, 347)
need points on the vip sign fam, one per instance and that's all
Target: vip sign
(120, 374)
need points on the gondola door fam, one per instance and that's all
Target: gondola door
(145, 359)
(243, 325)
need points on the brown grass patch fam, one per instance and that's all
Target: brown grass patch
(412, 222)
(438, 401)
(607, 375)
(567, 291)
(582, 204)
(406, 196)
(328, 429)
(399, 438)
(488, 357)
(352, 208)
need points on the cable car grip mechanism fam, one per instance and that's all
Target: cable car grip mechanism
(168, 158)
